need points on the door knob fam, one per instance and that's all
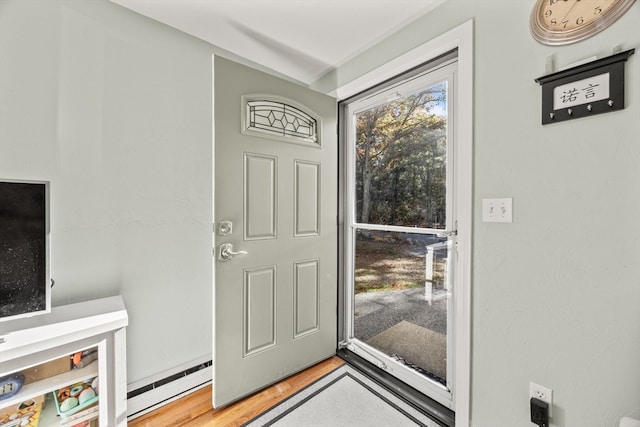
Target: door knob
(226, 252)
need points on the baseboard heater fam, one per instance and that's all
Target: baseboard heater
(146, 395)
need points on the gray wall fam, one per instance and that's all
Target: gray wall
(115, 110)
(556, 294)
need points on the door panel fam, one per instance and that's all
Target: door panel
(306, 297)
(307, 199)
(259, 317)
(275, 298)
(260, 199)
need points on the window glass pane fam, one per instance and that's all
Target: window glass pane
(401, 152)
(401, 298)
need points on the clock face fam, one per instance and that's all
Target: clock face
(556, 22)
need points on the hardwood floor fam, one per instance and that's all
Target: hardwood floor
(195, 409)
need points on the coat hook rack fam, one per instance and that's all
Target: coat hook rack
(588, 89)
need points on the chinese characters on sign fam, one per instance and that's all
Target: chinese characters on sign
(585, 90)
(580, 92)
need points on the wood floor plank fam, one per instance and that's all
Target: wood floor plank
(195, 410)
(178, 412)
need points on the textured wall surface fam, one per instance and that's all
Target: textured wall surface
(115, 111)
(556, 294)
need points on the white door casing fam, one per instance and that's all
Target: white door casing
(275, 305)
(460, 38)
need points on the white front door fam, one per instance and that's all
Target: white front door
(275, 230)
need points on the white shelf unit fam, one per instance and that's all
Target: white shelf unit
(32, 341)
(38, 388)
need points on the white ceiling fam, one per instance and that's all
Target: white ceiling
(302, 39)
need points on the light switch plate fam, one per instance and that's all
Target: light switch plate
(497, 210)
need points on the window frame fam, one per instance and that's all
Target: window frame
(431, 76)
(460, 38)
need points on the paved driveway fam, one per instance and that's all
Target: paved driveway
(377, 311)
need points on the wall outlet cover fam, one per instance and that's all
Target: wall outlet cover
(542, 393)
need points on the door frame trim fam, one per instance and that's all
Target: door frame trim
(213, 221)
(460, 38)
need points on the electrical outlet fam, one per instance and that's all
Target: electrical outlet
(497, 210)
(542, 393)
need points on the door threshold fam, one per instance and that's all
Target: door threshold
(420, 401)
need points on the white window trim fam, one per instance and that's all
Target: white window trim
(444, 73)
(460, 37)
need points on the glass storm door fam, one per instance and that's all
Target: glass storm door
(401, 231)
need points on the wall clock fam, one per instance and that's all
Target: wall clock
(558, 22)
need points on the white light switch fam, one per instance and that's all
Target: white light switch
(497, 210)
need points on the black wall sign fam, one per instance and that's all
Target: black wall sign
(585, 90)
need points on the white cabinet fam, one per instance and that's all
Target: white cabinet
(76, 349)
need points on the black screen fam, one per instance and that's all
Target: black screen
(23, 248)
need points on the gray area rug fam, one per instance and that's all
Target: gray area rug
(343, 398)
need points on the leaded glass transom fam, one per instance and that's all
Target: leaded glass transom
(282, 120)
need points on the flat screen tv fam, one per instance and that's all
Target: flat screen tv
(24, 249)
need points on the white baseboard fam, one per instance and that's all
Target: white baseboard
(153, 392)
